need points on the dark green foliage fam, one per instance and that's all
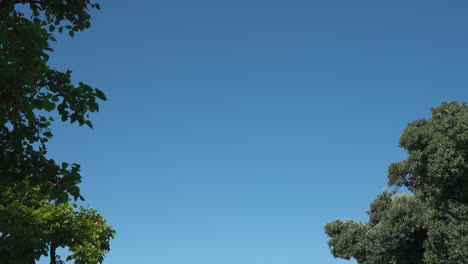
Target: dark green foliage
(29, 89)
(402, 229)
(448, 235)
(37, 227)
(429, 226)
(437, 165)
(35, 216)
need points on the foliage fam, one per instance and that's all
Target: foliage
(402, 229)
(35, 216)
(437, 165)
(429, 226)
(37, 226)
(29, 89)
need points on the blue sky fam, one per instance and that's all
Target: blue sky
(235, 130)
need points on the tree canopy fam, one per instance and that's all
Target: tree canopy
(35, 214)
(429, 226)
(437, 165)
(36, 228)
(30, 88)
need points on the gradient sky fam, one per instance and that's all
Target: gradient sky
(235, 130)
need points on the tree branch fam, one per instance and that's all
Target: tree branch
(452, 214)
(448, 112)
(53, 255)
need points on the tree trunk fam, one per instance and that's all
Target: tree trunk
(53, 256)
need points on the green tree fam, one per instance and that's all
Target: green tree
(38, 227)
(402, 229)
(35, 216)
(437, 165)
(429, 226)
(29, 88)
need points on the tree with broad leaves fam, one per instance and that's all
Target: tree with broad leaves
(29, 88)
(35, 214)
(429, 226)
(37, 228)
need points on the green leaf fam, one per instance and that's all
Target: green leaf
(48, 134)
(89, 123)
(100, 94)
(49, 106)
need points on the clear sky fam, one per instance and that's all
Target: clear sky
(235, 130)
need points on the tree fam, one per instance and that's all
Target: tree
(35, 216)
(29, 89)
(40, 227)
(437, 165)
(402, 229)
(429, 226)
